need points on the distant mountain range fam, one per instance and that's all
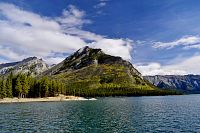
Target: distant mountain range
(32, 66)
(186, 83)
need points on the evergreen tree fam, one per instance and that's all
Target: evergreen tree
(0, 90)
(9, 87)
(54, 87)
(58, 86)
(44, 87)
(32, 87)
(3, 89)
(63, 90)
(18, 87)
(25, 86)
(51, 91)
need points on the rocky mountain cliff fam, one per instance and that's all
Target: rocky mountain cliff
(96, 72)
(186, 83)
(87, 56)
(31, 65)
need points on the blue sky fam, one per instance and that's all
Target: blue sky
(157, 36)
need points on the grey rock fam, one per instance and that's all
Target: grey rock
(31, 65)
(186, 83)
(87, 56)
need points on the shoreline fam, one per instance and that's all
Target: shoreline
(46, 99)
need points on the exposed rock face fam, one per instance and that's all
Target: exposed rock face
(87, 56)
(92, 70)
(31, 65)
(187, 83)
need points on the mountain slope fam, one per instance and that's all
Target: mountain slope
(87, 56)
(186, 83)
(92, 72)
(31, 65)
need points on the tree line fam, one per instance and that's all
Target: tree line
(22, 86)
(83, 89)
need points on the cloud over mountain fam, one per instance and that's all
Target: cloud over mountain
(24, 33)
(181, 66)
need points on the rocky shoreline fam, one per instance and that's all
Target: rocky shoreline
(47, 99)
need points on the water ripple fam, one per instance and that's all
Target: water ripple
(105, 115)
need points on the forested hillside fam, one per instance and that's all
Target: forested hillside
(26, 86)
(22, 86)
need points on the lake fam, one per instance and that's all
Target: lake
(105, 115)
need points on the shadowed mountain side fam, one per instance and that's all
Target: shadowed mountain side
(185, 83)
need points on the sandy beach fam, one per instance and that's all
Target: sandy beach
(47, 99)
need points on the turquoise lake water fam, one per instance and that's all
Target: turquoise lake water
(105, 115)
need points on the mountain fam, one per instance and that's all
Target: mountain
(31, 65)
(186, 83)
(92, 72)
(88, 72)
(87, 56)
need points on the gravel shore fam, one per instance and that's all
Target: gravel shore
(47, 99)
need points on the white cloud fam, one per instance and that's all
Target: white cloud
(186, 42)
(39, 42)
(195, 46)
(101, 4)
(2, 61)
(116, 47)
(72, 17)
(15, 14)
(10, 53)
(86, 35)
(156, 69)
(186, 66)
(24, 33)
(179, 65)
(54, 60)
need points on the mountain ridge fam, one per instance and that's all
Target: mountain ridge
(87, 56)
(31, 65)
(186, 83)
(98, 73)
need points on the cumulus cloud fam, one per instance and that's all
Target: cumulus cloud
(73, 17)
(54, 60)
(24, 33)
(155, 68)
(101, 4)
(15, 14)
(186, 66)
(116, 47)
(186, 42)
(10, 53)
